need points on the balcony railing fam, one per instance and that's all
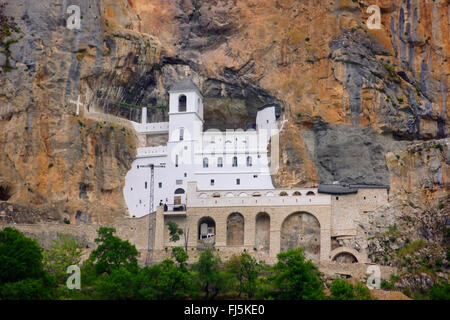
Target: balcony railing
(170, 208)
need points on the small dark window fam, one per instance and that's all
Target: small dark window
(205, 162)
(182, 103)
(212, 182)
(249, 161)
(185, 174)
(235, 163)
(181, 134)
(145, 184)
(238, 181)
(337, 198)
(160, 184)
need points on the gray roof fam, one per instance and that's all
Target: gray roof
(347, 188)
(185, 84)
(336, 189)
(369, 186)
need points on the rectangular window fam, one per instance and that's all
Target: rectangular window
(238, 181)
(160, 184)
(179, 182)
(145, 184)
(255, 176)
(212, 182)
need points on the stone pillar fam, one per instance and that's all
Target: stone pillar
(159, 228)
(276, 219)
(325, 244)
(221, 229)
(144, 115)
(249, 230)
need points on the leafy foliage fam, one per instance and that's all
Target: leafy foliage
(343, 290)
(440, 291)
(295, 278)
(64, 252)
(22, 274)
(210, 275)
(20, 257)
(245, 270)
(174, 231)
(113, 253)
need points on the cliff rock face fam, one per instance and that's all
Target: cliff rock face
(352, 98)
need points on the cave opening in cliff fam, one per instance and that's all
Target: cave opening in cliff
(5, 192)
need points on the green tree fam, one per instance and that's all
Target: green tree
(26, 289)
(112, 253)
(343, 290)
(121, 284)
(166, 281)
(64, 252)
(245, 270)
(174, 231)
(180, 256)
(22, 274)
(211, 278)
(20, 257)
(295, 278)
(440, 291)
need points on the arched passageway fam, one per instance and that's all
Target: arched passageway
(301, 229)
(235, 229)
(262, 235)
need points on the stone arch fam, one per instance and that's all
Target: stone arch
(182, 102)
(310, 193)
(301, 229)
(235, 229)
(297, 193)
(283, 194)
(206, 233)
(346, 255)
(262, 235)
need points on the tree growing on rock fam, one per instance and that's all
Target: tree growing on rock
(296, 278)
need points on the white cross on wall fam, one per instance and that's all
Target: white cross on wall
(78, 103)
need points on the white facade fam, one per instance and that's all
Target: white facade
(230, 160)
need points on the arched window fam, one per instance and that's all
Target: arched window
(181, 134)
(179, 191)
(205, 162)
(220, 162)
(235, 161)
(249, 161)
(310, 193)
(182, 103)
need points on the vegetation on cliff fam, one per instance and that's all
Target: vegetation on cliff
(111, 272)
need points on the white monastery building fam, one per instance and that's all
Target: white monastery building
(231, 160)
